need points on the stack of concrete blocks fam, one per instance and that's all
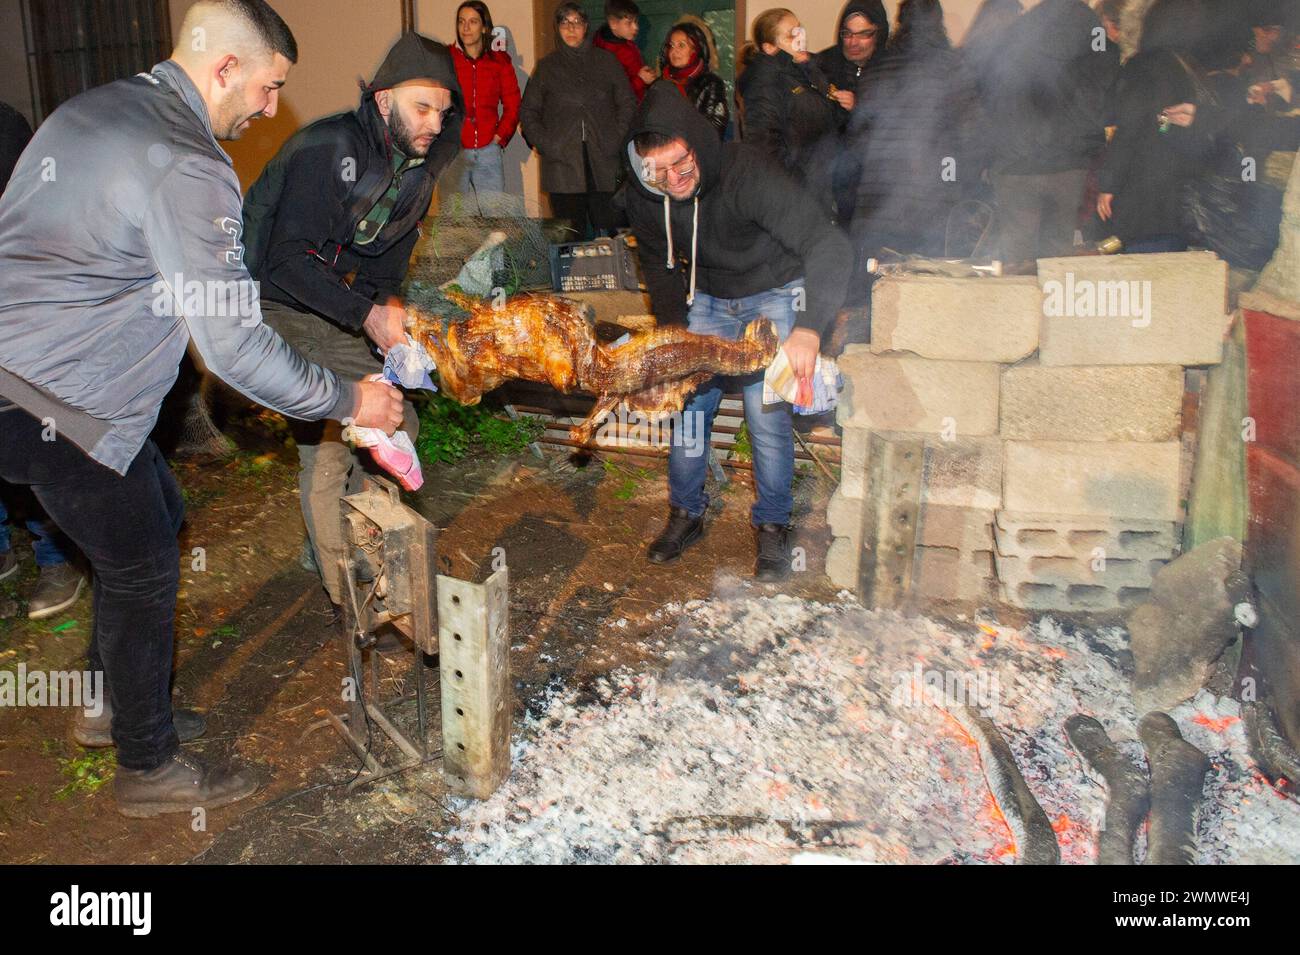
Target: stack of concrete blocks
(1052, 432)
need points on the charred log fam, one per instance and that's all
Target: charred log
(1178, 771)
(1031, 829)
(1128, 794)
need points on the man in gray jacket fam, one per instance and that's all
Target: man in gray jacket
(119, 244)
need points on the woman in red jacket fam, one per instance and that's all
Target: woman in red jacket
(491, 92)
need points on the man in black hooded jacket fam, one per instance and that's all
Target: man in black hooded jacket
(725, 236)
(862, 32)
(329, 230)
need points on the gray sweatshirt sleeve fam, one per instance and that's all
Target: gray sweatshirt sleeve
(193, 226)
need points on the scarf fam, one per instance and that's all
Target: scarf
(681, 77)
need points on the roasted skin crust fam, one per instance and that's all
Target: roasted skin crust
(547, 339)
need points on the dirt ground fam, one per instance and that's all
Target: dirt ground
(255, 653)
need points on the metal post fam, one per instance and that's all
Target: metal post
(474, 661)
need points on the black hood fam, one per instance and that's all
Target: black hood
(874, 11)
(666, 111)
(416, 57)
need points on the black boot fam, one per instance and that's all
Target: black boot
(682, 531)
(773, 553)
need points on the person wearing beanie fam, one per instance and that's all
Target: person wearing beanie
(863, 32)
(329, 230)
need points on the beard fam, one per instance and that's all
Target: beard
(230, 115)
(402, 137)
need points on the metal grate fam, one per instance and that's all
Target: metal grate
(74, 45)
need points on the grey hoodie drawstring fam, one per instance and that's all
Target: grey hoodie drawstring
(695, 233)
(668, 229)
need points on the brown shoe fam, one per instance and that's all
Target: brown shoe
(57, 589)
(181, 784)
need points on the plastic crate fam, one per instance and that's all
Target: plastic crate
(604, 264)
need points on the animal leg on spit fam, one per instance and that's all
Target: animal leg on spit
(670, 353)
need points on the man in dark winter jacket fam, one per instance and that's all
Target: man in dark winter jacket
(1046, 106)
(724, 237)
(863, 32)
(331, 224)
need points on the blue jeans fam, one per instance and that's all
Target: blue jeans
(47, 542)
(771, 431)
(482, 181)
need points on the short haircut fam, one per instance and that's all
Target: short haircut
(563, 11)
(621, 9)
(267, 25)
(650, 141)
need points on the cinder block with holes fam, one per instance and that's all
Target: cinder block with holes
(1060, 535)
(1070, 583)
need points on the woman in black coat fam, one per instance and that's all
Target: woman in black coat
(909, 129)
(789, 111)
(686, 62)
(575, 113)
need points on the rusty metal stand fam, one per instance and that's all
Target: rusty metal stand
(389, 573)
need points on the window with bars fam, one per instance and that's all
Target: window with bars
(73, 45)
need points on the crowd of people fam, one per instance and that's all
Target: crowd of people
(765, 203)
(1033, 136)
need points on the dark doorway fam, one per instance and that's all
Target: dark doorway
(74, 45)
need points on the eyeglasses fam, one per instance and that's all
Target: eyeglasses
(683, 167)
(572, 24)
(859, 34)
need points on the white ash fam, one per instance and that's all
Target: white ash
(782, 730)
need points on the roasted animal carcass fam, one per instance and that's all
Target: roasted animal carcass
(547, 339)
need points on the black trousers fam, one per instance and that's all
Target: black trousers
(126, 525)
(592, 212)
